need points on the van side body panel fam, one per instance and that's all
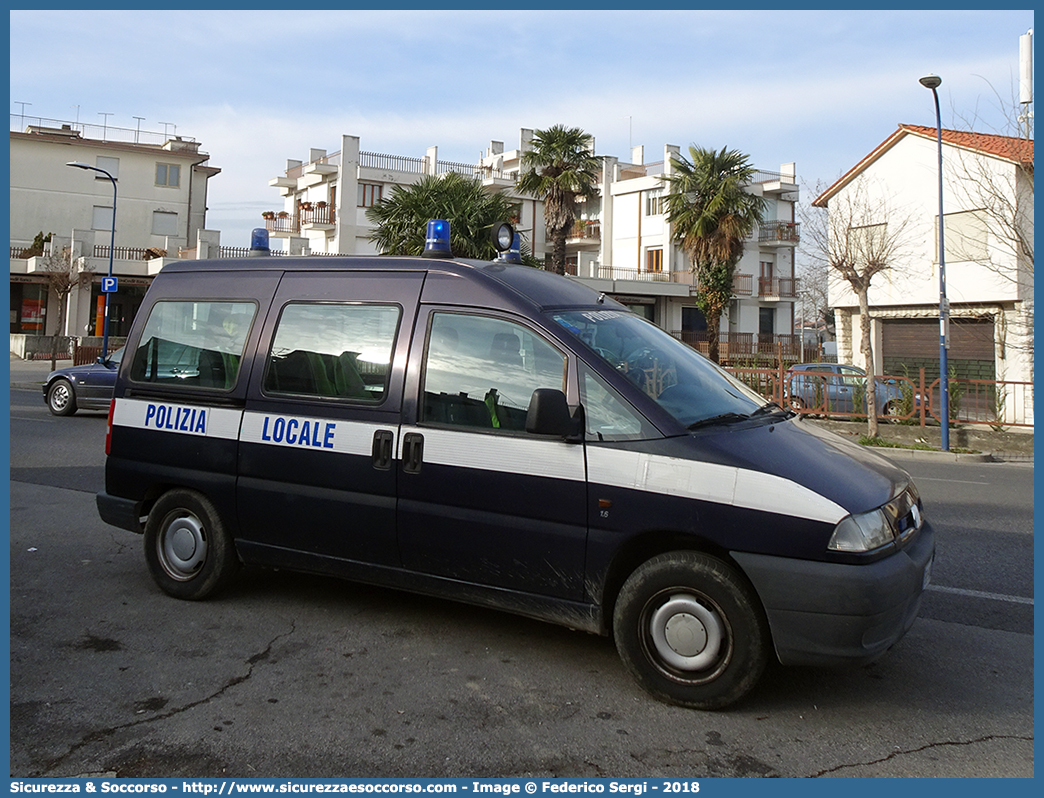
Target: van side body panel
(350, 478)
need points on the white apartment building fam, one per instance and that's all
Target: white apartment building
(161, 198)
(621, 243)
(988, 211)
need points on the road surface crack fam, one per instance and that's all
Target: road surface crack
(102, 734)
(928, 747)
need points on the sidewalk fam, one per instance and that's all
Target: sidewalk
(1014, 446)
(30, 374)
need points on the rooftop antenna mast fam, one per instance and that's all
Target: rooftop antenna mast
(1026, 83)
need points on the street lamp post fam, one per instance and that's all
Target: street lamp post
(933, 82)
(112, 247)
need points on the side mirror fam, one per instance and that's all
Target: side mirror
(549, 415)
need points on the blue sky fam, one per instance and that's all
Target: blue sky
(820, 88)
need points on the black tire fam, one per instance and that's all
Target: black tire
(890, 412)
(189, 552)
(61, 398)
(691, 631)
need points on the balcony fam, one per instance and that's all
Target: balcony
(585, 231)
(779, 234)
(282, 224)
(747, 347)
(784, 186)
(776, 287)
(318, 217)
(743, 284)
(615, 273)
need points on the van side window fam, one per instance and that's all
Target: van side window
(334, 351)
(609, 417)
(193, 344)
(481, 372)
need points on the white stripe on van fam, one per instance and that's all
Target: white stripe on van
(308, 432)
(200, 420)
(537, 457)
(710, 482)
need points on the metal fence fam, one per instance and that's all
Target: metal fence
(998, 404)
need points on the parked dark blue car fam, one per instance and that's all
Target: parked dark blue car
(86, 387)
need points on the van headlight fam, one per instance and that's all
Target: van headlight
(862, 532)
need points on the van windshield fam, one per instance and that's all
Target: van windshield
(683, 382)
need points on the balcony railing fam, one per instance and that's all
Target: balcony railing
(779, 233)
(615, 273)
(318, 215)
(765, 176)
(283, 224)
(394, 163)
(746, 347)
(586, 229)
(777, 286)
(743, 284)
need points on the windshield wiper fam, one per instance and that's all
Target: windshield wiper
(724, 418)
(770, 407)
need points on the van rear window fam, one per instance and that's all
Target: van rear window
(193, 344)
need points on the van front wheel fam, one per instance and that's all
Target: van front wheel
(188, 550)
(691, 631)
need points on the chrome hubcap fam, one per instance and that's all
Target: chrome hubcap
(183, 547)
(686, 634)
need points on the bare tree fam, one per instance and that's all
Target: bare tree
(858, 238)
(998, 191)
(64, 274)
(814, 295)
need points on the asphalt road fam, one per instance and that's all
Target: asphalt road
(297, 676)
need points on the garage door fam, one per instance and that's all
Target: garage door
(914, 343)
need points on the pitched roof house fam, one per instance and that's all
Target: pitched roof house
(988, 238)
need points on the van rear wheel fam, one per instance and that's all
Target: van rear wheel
(188, 550)
(691, 631)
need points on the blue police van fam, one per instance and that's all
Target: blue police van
(496, 434)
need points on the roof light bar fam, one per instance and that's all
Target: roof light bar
(437, 241)
(259, 242)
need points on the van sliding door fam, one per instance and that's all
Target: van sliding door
(321, 424)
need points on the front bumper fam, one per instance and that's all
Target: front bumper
(829, 614)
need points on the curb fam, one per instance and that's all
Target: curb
(924, 454)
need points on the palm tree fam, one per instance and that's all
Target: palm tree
(711, 214)
(560, 168)
(401, 219)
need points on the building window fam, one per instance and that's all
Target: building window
(369, 194)
(164, 223)
(654, 203)
(110, 165)
(102, 217)
(654, 259)
(966, 235)
(168, 174)
(867, 243)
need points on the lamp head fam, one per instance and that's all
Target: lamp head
(78, 165)
(931, 82)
